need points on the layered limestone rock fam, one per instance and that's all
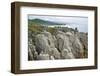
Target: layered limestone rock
(62, 45)
(32, 50)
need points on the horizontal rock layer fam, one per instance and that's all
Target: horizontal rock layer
(62, 45)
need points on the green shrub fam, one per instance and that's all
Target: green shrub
(36, 28)
(52, 30)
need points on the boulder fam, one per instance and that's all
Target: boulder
(67, 54)
(77, 48)
(50, 38)
(41, 43)
(52, 58)
(55, 53)
(70, 42)
(43, 57)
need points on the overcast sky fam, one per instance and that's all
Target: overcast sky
(80, 22)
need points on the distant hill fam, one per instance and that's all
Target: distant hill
(42, 22)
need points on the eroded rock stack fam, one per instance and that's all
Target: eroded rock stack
(62, 45)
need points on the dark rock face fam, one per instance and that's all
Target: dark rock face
(84, 41)
(31, 50)
(62, 45)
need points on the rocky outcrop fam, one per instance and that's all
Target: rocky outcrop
(70, 42)
(62, 45)
(32, 53)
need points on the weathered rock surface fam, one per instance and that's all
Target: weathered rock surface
(62, 45)
(66, 54)
(31, 50)
(43, 57)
